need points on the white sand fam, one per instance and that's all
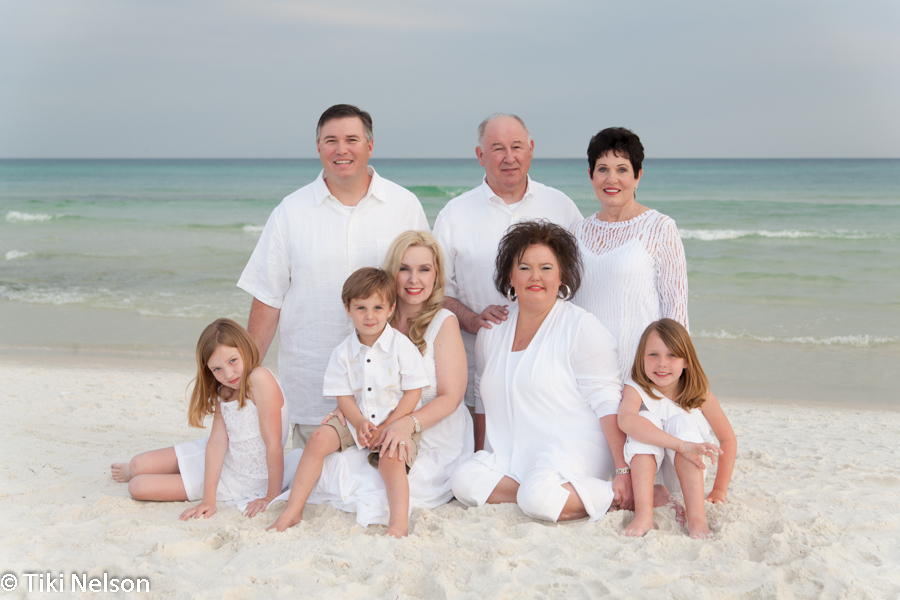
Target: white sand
(813, 512)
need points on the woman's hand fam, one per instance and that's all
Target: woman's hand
(257, 506)
(391, 437)
(624, 493)
(335, 413)
(204, 509)
(695, 452)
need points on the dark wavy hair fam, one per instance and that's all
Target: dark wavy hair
(624, 143)
(542, 233)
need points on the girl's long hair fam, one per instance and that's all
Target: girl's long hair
(694, 384)
(221, 332)
(409, 239)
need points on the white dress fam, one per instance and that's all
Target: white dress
(687, 425)
(245, 474)
(351, 484)
(542, 421)
(634, 273)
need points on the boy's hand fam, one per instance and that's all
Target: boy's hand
(376, 435)
(364, 433)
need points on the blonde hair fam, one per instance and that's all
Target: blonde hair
(221, 332)
(418, 325)
(694, 384)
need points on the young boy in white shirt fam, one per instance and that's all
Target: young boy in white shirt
(377, 375)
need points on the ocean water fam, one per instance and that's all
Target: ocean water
(793, 265)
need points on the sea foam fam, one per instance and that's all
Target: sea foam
(859, 341)
(19, 217)
(714, 235)
(252, 228)
(13, 254)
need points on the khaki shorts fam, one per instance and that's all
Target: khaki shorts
(347, 441)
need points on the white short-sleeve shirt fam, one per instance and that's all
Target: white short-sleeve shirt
(469, 229)
(309, 246)
(376, 377)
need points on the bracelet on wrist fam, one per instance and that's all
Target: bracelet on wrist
(623, 471)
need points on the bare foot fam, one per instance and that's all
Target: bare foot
(285, 521)
(639, 526)
(121, 473)
(397, 532)
(701, 532)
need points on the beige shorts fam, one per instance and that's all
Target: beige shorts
(347, 441)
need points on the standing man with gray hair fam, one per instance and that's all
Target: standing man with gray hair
(319, 235)
(470, 226)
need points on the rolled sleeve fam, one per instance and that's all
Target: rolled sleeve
(596, 366)
(267, 275)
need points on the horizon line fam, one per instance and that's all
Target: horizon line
(444, 158)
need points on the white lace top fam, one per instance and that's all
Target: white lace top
(634, 273)
(245, 470)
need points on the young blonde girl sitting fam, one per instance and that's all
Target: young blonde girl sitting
(667, 411)
(242, 460)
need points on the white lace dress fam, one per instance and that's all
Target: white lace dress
(245, 474)
(349, 483)
(634, 273)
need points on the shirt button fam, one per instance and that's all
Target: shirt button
(373, 416)
(368, 360)
(370, 389)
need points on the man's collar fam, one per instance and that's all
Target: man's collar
(376, 187)
(492, 196)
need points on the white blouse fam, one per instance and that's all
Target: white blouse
(565, 381)
(634, 273)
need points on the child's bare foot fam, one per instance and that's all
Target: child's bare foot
(397, 532)
(639, 526)
(700, 532)
(285, 521)
(121, 473)
(662, 497)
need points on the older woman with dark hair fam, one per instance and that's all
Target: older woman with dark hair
(635, 271)
(547, 390)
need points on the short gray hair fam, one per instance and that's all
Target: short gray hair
(483, 125)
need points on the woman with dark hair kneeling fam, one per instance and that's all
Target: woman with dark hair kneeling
(547, 391)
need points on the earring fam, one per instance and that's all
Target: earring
(568, 292)
(511, 294)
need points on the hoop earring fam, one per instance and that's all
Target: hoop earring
(511, 294)
(568, 292)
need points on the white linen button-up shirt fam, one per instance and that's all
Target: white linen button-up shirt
(376, 377)
(309, 246)
(469, 229)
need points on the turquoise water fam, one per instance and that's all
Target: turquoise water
(794, 265)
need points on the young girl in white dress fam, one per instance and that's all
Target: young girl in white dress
(242, 460)
(667, 412)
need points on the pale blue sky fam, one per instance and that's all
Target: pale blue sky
(183, 78)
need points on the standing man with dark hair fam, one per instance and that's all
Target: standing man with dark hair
(312, 242)
(470, 226)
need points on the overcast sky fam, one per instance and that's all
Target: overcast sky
(185, 78)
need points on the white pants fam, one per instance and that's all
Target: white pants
(540, 496)
(684, 427)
